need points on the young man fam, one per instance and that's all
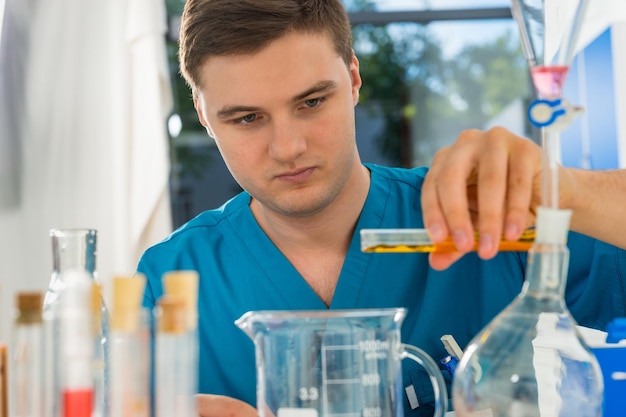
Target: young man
(275, 83)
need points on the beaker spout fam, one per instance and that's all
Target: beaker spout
(245, 323)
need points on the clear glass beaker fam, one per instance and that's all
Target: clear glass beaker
(322, 363)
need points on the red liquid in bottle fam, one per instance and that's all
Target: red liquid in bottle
(78, 403)
(549, 80)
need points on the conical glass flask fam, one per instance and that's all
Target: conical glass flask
(530, 361)
(75, 249)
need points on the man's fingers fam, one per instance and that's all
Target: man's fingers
(522, 185)
(492, 190)
(486, 181)
(444, 195)
(221, 406)
(434, 220)
(441, 261)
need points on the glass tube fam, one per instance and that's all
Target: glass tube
(176, 369)
(4, 401)
(129, 348)
(27, 357)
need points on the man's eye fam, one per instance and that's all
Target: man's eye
(313, 102)
(247, 119)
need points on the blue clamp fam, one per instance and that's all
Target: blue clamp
(545, 113)
(616, 330)
(450, 363)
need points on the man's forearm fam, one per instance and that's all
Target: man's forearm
(599, 203)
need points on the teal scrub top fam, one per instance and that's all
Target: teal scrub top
(240, 270)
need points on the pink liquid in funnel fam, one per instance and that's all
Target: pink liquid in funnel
(549, 80)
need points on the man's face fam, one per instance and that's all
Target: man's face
(283, 120)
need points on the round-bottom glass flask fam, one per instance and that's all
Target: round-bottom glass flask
(530, 361)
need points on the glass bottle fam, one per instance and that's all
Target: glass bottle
(74, 249)
(530, 361)
(27, 369)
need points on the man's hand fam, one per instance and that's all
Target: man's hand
(222, 406)
(488, 182)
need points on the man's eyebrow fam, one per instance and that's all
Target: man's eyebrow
(317, 88)
(229, 111)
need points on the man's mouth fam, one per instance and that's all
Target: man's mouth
(297, 175)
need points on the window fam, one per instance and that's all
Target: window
(430, 69)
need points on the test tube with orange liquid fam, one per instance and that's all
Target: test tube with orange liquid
(417, 240)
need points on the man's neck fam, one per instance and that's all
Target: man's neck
(331, 227)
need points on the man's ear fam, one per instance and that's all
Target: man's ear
(356, 78)
(200, 112)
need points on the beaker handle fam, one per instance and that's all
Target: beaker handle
(436, 379)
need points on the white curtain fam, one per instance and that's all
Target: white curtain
(84, 98)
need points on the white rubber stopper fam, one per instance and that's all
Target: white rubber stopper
(552, 225)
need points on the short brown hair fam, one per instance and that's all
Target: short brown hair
(236, 27)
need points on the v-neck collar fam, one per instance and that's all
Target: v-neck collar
(287, 280)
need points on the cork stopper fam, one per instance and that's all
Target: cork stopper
(172, 315)
(4, 382)
(184, 284)
(29, 307)
(127, 296)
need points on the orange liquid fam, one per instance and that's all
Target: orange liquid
(523, 244)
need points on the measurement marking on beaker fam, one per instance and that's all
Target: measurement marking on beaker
(327, 382)
(341, 347)
(343, 381)
(308, 394)
(297, 412)
(372, 412)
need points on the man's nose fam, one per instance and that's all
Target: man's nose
(287, 141)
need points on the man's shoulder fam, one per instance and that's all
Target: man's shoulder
(397, 173)
(402, 176)
(204, 224)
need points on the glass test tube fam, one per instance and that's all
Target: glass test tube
(417, 240)
(27, 366)
(129, 347)
(184, 284)
(4, 385)
(175, 365)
